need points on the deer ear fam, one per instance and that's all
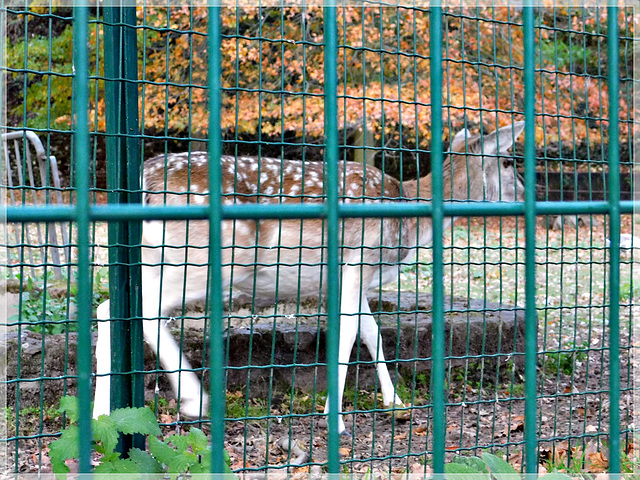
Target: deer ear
(458, 142)
(503, 138)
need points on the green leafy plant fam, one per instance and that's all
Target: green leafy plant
(175, 455)
(564, 361)
(43, 314)
(489, 467)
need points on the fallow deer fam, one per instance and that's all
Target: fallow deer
(259, 257)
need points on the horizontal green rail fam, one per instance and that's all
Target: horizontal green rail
(303, 211)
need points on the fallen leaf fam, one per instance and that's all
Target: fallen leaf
(598, 462)
(515, 425)
(166, 418)
(421, 430)
(400, 436)
(452, 427)
(344, 451)
(515, 460)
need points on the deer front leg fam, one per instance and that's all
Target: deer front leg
(348, 332)
(184, 383)
(370, 335)
(350, 292)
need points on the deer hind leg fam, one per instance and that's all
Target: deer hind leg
(370, 335)
(102, 398)
(158, 300)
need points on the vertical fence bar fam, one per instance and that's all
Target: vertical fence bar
(123, 184)
(614, 235)
(83, 277)
(531, 319)
(133, 196)
(4, 238)
(438, 331)
(333, 269)
(216, 351)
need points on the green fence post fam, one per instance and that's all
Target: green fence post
(531, 317)
(83, 277)
(217, 385)
(331, 209)
(614, 252)
(438, 331)
(123, 184)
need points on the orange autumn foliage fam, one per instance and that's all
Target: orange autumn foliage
(273, 71)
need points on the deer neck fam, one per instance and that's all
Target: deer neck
(461, 182)
(421, 190)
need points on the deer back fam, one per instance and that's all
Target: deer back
(285, 252)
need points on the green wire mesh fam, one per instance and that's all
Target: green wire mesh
(501, 337)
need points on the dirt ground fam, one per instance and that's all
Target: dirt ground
(482, 414)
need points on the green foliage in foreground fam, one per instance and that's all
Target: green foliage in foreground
(489, 467)
(175, 455)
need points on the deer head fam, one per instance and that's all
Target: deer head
(483, 169)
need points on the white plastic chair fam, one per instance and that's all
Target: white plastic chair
(34, 189)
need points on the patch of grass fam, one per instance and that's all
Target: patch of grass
(564, 361)
(417, 394)
(237, 406)
(562, 462)
(473, 376)
(362, 399)
(485, 260)
(32, 420)
(300, 403)
(557, 362)
(367, 400)
(9, 418)
(629, 291)
(39, 312)
(162, 406)
(43, 312)
(517, 390)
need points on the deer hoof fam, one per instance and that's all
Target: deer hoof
(194, 408)
(400, 411)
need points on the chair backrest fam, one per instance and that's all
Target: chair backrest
(34, 180)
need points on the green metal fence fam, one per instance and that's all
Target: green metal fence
(505, 335)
